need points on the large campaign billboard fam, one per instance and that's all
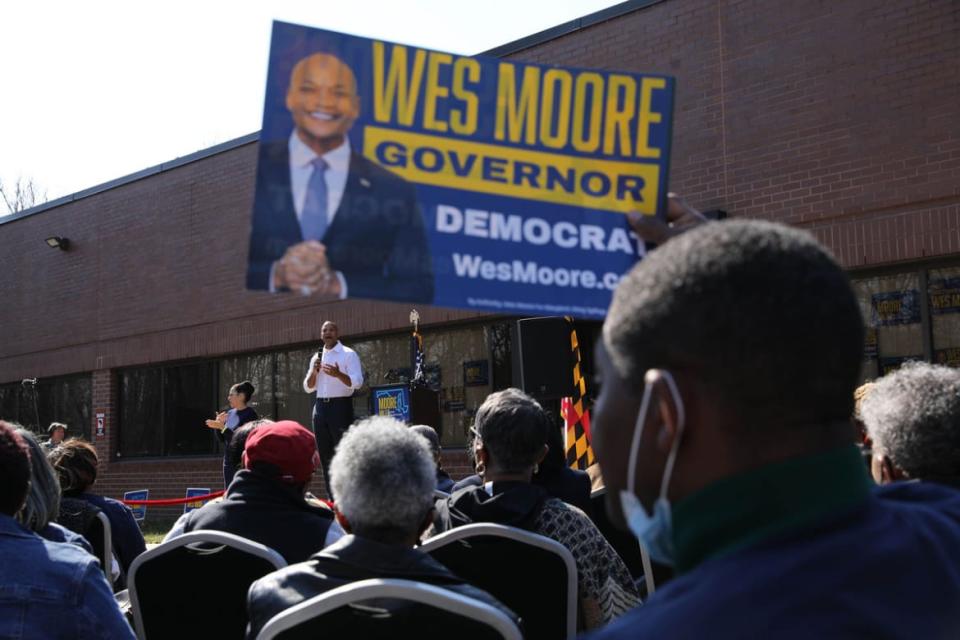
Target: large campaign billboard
(393, 172)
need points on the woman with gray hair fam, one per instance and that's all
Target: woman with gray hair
(382, 478)
(42, 507)
(913, 418)
(510, 432)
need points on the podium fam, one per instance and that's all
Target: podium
(425, 407)
(416, 405)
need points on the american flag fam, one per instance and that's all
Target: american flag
(417, 357)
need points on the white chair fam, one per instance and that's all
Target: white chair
(196, 584)
(467, 608)
(107, 559)
(533, 575)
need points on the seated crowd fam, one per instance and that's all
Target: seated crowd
(727, 445)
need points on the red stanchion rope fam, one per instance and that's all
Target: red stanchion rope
(174, 501)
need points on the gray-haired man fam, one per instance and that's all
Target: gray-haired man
(383, 478)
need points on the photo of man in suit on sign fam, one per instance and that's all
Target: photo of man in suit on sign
(326, 220)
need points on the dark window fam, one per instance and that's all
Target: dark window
(16, 405)
(258, 368)
(141, 420)
(64, 399)
(189, 393)
(501, 347)
(163, 409)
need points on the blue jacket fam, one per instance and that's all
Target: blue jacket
(125, 533)
(53, 590)
(57, 533)
(887, 566)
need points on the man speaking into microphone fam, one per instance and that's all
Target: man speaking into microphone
(334, 374)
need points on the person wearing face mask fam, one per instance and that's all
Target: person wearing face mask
(728, 363)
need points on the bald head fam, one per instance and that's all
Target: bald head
(322, 100)
(320, 63)
(330, 334)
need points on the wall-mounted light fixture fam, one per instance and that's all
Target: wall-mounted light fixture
(56, 242)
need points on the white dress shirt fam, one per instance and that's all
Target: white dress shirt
(326, 385)
(301, 168)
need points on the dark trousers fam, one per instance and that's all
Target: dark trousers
(228, 469)
(331, 419)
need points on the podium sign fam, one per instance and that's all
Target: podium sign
(391, 400)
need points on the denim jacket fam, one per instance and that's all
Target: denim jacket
(53, 590)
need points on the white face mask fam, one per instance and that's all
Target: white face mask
(654, 531)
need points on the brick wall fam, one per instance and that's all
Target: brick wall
(156, 272)
(839, 117)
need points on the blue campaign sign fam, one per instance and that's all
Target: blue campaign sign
(191, 492)
(393, 172)
(391, 400)
(944, 295)
(896, 307)
(140, 510)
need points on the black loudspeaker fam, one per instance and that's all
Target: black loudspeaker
(425, 407)
(542, 360)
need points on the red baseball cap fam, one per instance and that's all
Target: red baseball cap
(288, 446)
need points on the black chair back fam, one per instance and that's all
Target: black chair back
(533, 575)
(196, 585)
(388, 610)
(81, 517)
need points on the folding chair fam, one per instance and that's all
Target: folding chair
(106, 559)
(196, 584)
(81, 517)
(369, 609)
(533, 575)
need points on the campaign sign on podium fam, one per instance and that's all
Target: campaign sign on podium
(391, 400)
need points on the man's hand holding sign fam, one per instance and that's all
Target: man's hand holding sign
(462, 181)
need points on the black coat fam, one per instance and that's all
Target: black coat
(377, 239)
(569, 485)
(515, 504)
(269, 512)
(351, 559)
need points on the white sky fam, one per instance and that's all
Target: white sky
(91, 91)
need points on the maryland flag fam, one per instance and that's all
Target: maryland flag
(576, 416)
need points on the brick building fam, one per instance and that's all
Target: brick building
(839, 118)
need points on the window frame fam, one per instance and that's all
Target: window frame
(921, 269)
